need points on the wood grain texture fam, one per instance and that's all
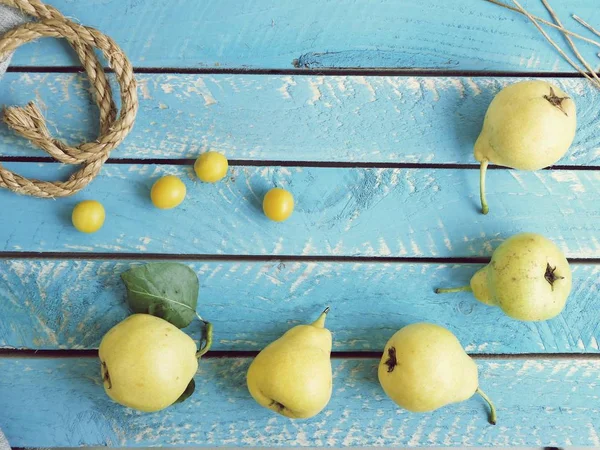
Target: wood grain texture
(310, 118)
(61, 402)
(280, 34)
(352, 212)
(72, 304)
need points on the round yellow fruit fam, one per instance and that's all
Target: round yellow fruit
(424, 367)
(88, 216)
(146, 362)
(211, 167)
(529, 278)
(168, 192)
(528, 126)
(278, 204)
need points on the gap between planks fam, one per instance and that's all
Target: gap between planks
(33, 354)
(348, 71)
(309, 164)
(190, 257)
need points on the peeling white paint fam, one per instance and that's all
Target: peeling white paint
(199, 87)
(288, 81)
(368, 86)
(315, 90)
(303, 277)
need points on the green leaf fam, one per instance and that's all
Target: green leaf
(166, 290)
(189, 390)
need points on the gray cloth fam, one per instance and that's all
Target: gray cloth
(9, 18)
(3, 442)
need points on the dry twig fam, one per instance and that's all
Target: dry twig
(555, 45)
(586, 25)
(572, 44)
(550, 24)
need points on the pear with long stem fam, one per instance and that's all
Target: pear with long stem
(424, 367)
(528, 126)
(528, 277)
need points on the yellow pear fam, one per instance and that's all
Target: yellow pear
(528, 277)
(292, 376)
(528, 126)
(424, 367)
(147, 362)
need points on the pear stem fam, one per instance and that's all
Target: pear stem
(453, 290)
(492, 418)
(482, 172)
(207, 339)
(320, 322)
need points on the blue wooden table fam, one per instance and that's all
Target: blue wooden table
(367, 110)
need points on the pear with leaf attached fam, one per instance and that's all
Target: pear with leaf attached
(528, 126)
(292, 376)
(528, 277)
(424, 367)
(147, 363)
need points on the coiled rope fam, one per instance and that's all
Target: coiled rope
(28, 121)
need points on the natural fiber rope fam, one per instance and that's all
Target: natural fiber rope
(29, 122)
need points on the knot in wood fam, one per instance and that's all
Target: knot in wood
(29, 122)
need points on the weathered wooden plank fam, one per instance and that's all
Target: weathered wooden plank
(60, 402)
(280, 34)
(71, 304)
(310, 118)
(355, 212)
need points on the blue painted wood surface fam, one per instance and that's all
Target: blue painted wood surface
(281, 34)
(428, 211)
(351, 212)
(62, 402)
(311, 118)
(62, 304)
